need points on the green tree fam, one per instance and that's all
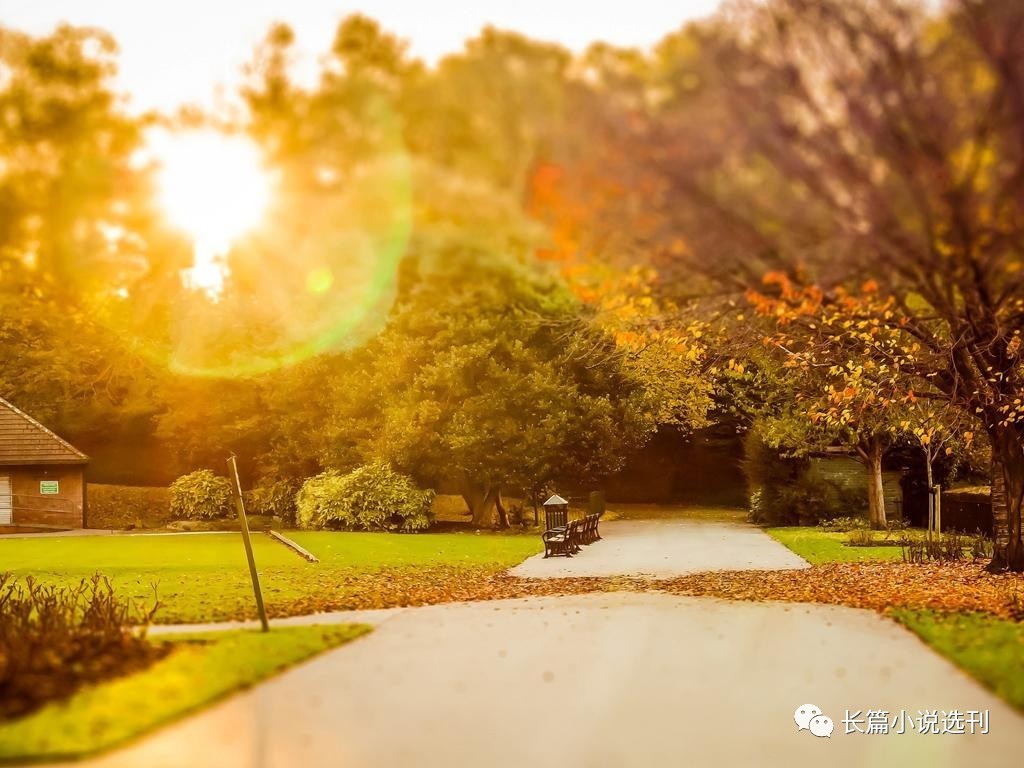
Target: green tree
(488, 376)
(76, 228)
(67, 193)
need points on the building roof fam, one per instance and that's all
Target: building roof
(23, 440)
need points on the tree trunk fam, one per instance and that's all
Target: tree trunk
(876, 494)
(1007, 498)
(502, 512)
(932, 500)
(481, 504)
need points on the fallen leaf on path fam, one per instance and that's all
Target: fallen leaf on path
(876, 586)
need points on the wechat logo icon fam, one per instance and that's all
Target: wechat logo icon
(809, 718)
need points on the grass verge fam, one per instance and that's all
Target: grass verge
(204, 577)
(200, 669)
(989, 648)
(817, 546)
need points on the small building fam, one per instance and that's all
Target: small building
(844, 480)
(42, 476)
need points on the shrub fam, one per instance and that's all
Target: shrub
(796, 490)
(944, 548)
(981, 547)
(371, 498)
(319, 499)
(1014, 599)
(862, 537)
(841, 499)
(124, 506)
(53, 640)
(779, 493)
(896, 525)
(274, 499)
(844, 524)
(201, 495)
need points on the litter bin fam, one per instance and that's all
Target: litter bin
(556, 512)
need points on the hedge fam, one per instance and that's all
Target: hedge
(201, 495)
(126, 506)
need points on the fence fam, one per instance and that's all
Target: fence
(966, 514)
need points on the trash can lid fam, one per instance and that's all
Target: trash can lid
(555, 499)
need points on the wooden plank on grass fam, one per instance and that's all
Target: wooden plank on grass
(299, 550)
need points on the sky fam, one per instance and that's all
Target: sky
(186, 51)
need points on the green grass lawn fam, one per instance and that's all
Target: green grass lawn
(201, 669)
(987, 647)
(817, 546)
(203, 577)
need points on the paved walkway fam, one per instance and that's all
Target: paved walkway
(666, 548)
(622, 679)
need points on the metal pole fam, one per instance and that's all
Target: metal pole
(233, 466)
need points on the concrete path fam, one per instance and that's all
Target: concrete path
(621, 679)
(666, 548)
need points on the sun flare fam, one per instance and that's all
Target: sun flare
(215, 188)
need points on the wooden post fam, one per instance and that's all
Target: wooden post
(233, 466)
(930, 528)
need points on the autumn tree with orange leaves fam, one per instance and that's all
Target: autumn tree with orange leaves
(853, 376)
(855, 140)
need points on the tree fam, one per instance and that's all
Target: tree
(488, 376)
(492, 371)
(76, 227)
(495, 111)
(868, 140)
(849, 377)
(68, 202)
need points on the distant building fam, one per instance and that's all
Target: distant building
(845, 481)
(42, 477)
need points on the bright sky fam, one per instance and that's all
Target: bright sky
(178, 51)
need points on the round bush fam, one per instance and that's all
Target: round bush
(275, 499)
(319, 500)
(201, 495)
(371, 498)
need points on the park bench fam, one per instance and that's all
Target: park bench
(566, 539)
(563, 540)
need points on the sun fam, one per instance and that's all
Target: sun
(213, 186)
